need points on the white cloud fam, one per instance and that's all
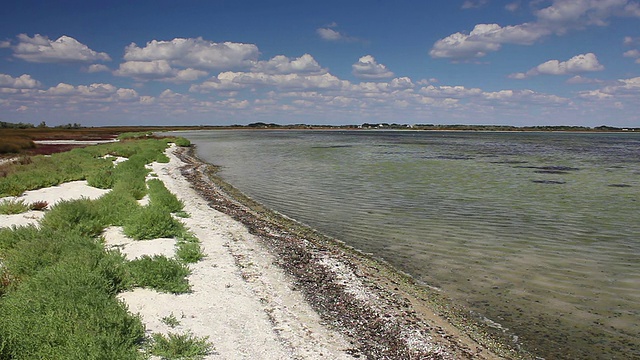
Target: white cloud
(577, 64)
(514, 6)
(22, 82)
(623, 89)
(159, 70)
(485, 38)
(629, 41)
(281, 64)
(195, 53)
(40, 49)
(583, 80)
(329, 34)
(5, 44)
(474, 4)
(559, 17)
(450, 92)
(368, 68)
(567, 14)
(94, 68)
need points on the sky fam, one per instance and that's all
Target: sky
(330, 62)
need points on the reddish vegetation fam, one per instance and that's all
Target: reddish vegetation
(42, 149)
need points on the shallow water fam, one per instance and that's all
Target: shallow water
(538, 232)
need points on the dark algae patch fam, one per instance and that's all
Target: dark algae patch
(391, 317)
(551, 182)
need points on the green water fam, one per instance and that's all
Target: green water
(539, 233)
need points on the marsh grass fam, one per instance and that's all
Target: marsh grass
(58, 283)
(152, 222)
(9, 207)
(160, 196)
(189, 249)
(170, 321)
(180, 346)
(160, 273)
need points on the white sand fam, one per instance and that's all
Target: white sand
(52, 195)
(240, 300)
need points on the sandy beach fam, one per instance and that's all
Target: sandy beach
(267, 291)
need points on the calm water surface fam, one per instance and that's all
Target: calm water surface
(537, 232)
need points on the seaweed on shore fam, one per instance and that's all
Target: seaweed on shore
(384, 324)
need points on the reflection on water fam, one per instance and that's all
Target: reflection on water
(538, 232)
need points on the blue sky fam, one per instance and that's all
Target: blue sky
(514, 62)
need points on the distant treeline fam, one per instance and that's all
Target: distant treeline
(8, 125)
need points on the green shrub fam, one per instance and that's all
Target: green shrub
(66, 312)
(160, 196)
(180, 346)
(102, 178)
(80, 215)
(180, 141)
(9, 237)
(37, 249)
(189, 252)
(162, 158)
(152, 222)
(159, 273)
(8, 207)
(116, 206)
(114, 267)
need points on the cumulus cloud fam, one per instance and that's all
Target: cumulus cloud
(159, 70)
(281, 64)
(22, 82)
(329, 33)
(567, 14)
(623, 88)
(195, 53)
(94, 68)
(368, 68)
(97, 92)
(485, 38)
(40, 49)
(237, 80)
(558, 18)
(577, 64)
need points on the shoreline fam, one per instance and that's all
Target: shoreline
(363, 297)
(272, 288)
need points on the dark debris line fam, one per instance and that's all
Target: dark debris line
(384, 328)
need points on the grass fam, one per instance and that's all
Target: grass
(189, 250)
(9, 207)
(12, 144)
(170, 321)
(58, 284)
(160, 273)
(160, 196)
(180, 346)
(152, 222)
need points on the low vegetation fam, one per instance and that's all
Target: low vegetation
(58, 283)
(8, 207)
(180, 346)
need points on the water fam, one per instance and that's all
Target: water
(538, 232)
